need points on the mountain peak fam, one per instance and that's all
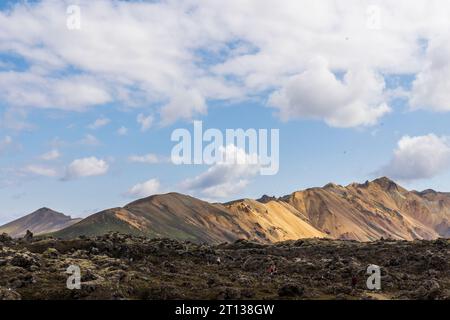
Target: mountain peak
(332, 185)
(428, 191)
(385, 183)
(265, 198)
(164, 197)
(43, 220)
(45, 211)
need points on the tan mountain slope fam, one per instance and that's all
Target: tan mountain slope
(40, 221)
(432, 208)
(272, 221)
(362, 212)
(170, 215)
(368, 211)
(183, 217)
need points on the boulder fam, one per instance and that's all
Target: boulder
(51, 253)
(28, 236)
(23, 260)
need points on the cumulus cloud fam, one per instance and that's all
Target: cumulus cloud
(146, 158)
(144, 121)
(89, 140)
(86, 167)
(183, 105)
(22, 89)
(50, 155)
(144, 189)
(419, 157)
(316, 93)
(226, 177)
(40, 170)
(177, 56)
(100, 122)
(431, 88)
(147, 59)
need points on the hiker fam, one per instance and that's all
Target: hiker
(218, 261)
(354, 282)
(272, 269)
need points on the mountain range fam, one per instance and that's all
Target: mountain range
(364, 212)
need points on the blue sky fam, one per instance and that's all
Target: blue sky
(352, 101)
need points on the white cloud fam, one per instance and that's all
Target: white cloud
(316, 93)
(419, 157)
(28, 89)
(86, 167)
(122, 131)
(225, 189)
(89, 140)
(179, 55)
(183, 105)
(431, 88)
(147, 158)
(100, 122)
(50, 155)
(227, 177)
(145, 60)
(40, 170)
(144, 189)
(145, 121)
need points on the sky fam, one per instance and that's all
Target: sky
(91, 91)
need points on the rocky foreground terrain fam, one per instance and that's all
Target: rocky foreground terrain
(116, 266)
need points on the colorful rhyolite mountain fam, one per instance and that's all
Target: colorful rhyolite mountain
(363, 212)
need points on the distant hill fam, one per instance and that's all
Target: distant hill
(41, 221)
(364, 212)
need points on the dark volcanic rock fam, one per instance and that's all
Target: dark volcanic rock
(28, 236)
(290, 290)
(228, 294)
(23, 260)
(5, 238)
(119, 266)
(9, 294)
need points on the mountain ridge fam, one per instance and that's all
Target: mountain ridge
(368, 211)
